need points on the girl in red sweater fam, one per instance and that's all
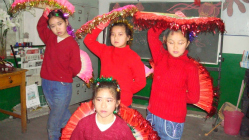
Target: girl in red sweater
(103, 125)
(119, 61)
(175, 83)
(60, 64)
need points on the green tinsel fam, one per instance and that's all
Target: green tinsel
(103, 79)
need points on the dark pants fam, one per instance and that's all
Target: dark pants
(244, 128)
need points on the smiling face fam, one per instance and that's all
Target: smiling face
(105, 103)
(176, 43)
(58, 26)
(119, 37)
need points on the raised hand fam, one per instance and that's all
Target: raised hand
(103, 25)
(46, 12)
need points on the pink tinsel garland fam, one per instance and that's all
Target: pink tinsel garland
(65, 5)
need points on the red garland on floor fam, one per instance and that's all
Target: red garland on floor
(141, 128)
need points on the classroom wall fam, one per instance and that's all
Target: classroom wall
(11, 97)
(233, 45)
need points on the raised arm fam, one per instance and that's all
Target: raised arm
(156, 46)
(91, 40)
(42, 27)
(193, 94)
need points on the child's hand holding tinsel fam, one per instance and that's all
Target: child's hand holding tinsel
(103, 25)
(46, 12)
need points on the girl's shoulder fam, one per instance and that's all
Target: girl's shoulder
(190, 64)
(132, 54)
(88, 118)
(70, 41)
(120, 122)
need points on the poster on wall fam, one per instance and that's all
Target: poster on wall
(32, 96)
(235, 16)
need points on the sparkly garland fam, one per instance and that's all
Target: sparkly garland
(208, 97)
(103, 79)
(64, 5)
(146, 20)
(141, 128)
(109, 80)
(123, 12)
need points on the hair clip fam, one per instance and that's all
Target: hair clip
(56, 14)
(192, 36)
(97, 84)
(66, 15)
(118, 88)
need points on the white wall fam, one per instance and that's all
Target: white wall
(231, 44)
(30, 21)
(235, 44)
(29, 25)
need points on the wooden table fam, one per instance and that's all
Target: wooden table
(12, 79)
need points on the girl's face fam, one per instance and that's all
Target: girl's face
(58, 26)
(119, 37)
(105, 103)
(176, 43)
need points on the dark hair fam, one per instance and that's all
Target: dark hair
(128, 31)
(168, 31)
(56, 13)
(64, 16)
(111, 85)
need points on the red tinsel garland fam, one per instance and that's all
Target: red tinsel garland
(208, 98)
(146, 20)
(142, 128)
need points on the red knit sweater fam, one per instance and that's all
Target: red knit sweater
(175, 82)
(87, 129)
(61, 60)
(123, 64)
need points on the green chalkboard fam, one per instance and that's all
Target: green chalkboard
(205, 47)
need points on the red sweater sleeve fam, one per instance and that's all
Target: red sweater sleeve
(92, 43)
(138, 75)
(156, 46)
(43, 31)
(193, 94)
